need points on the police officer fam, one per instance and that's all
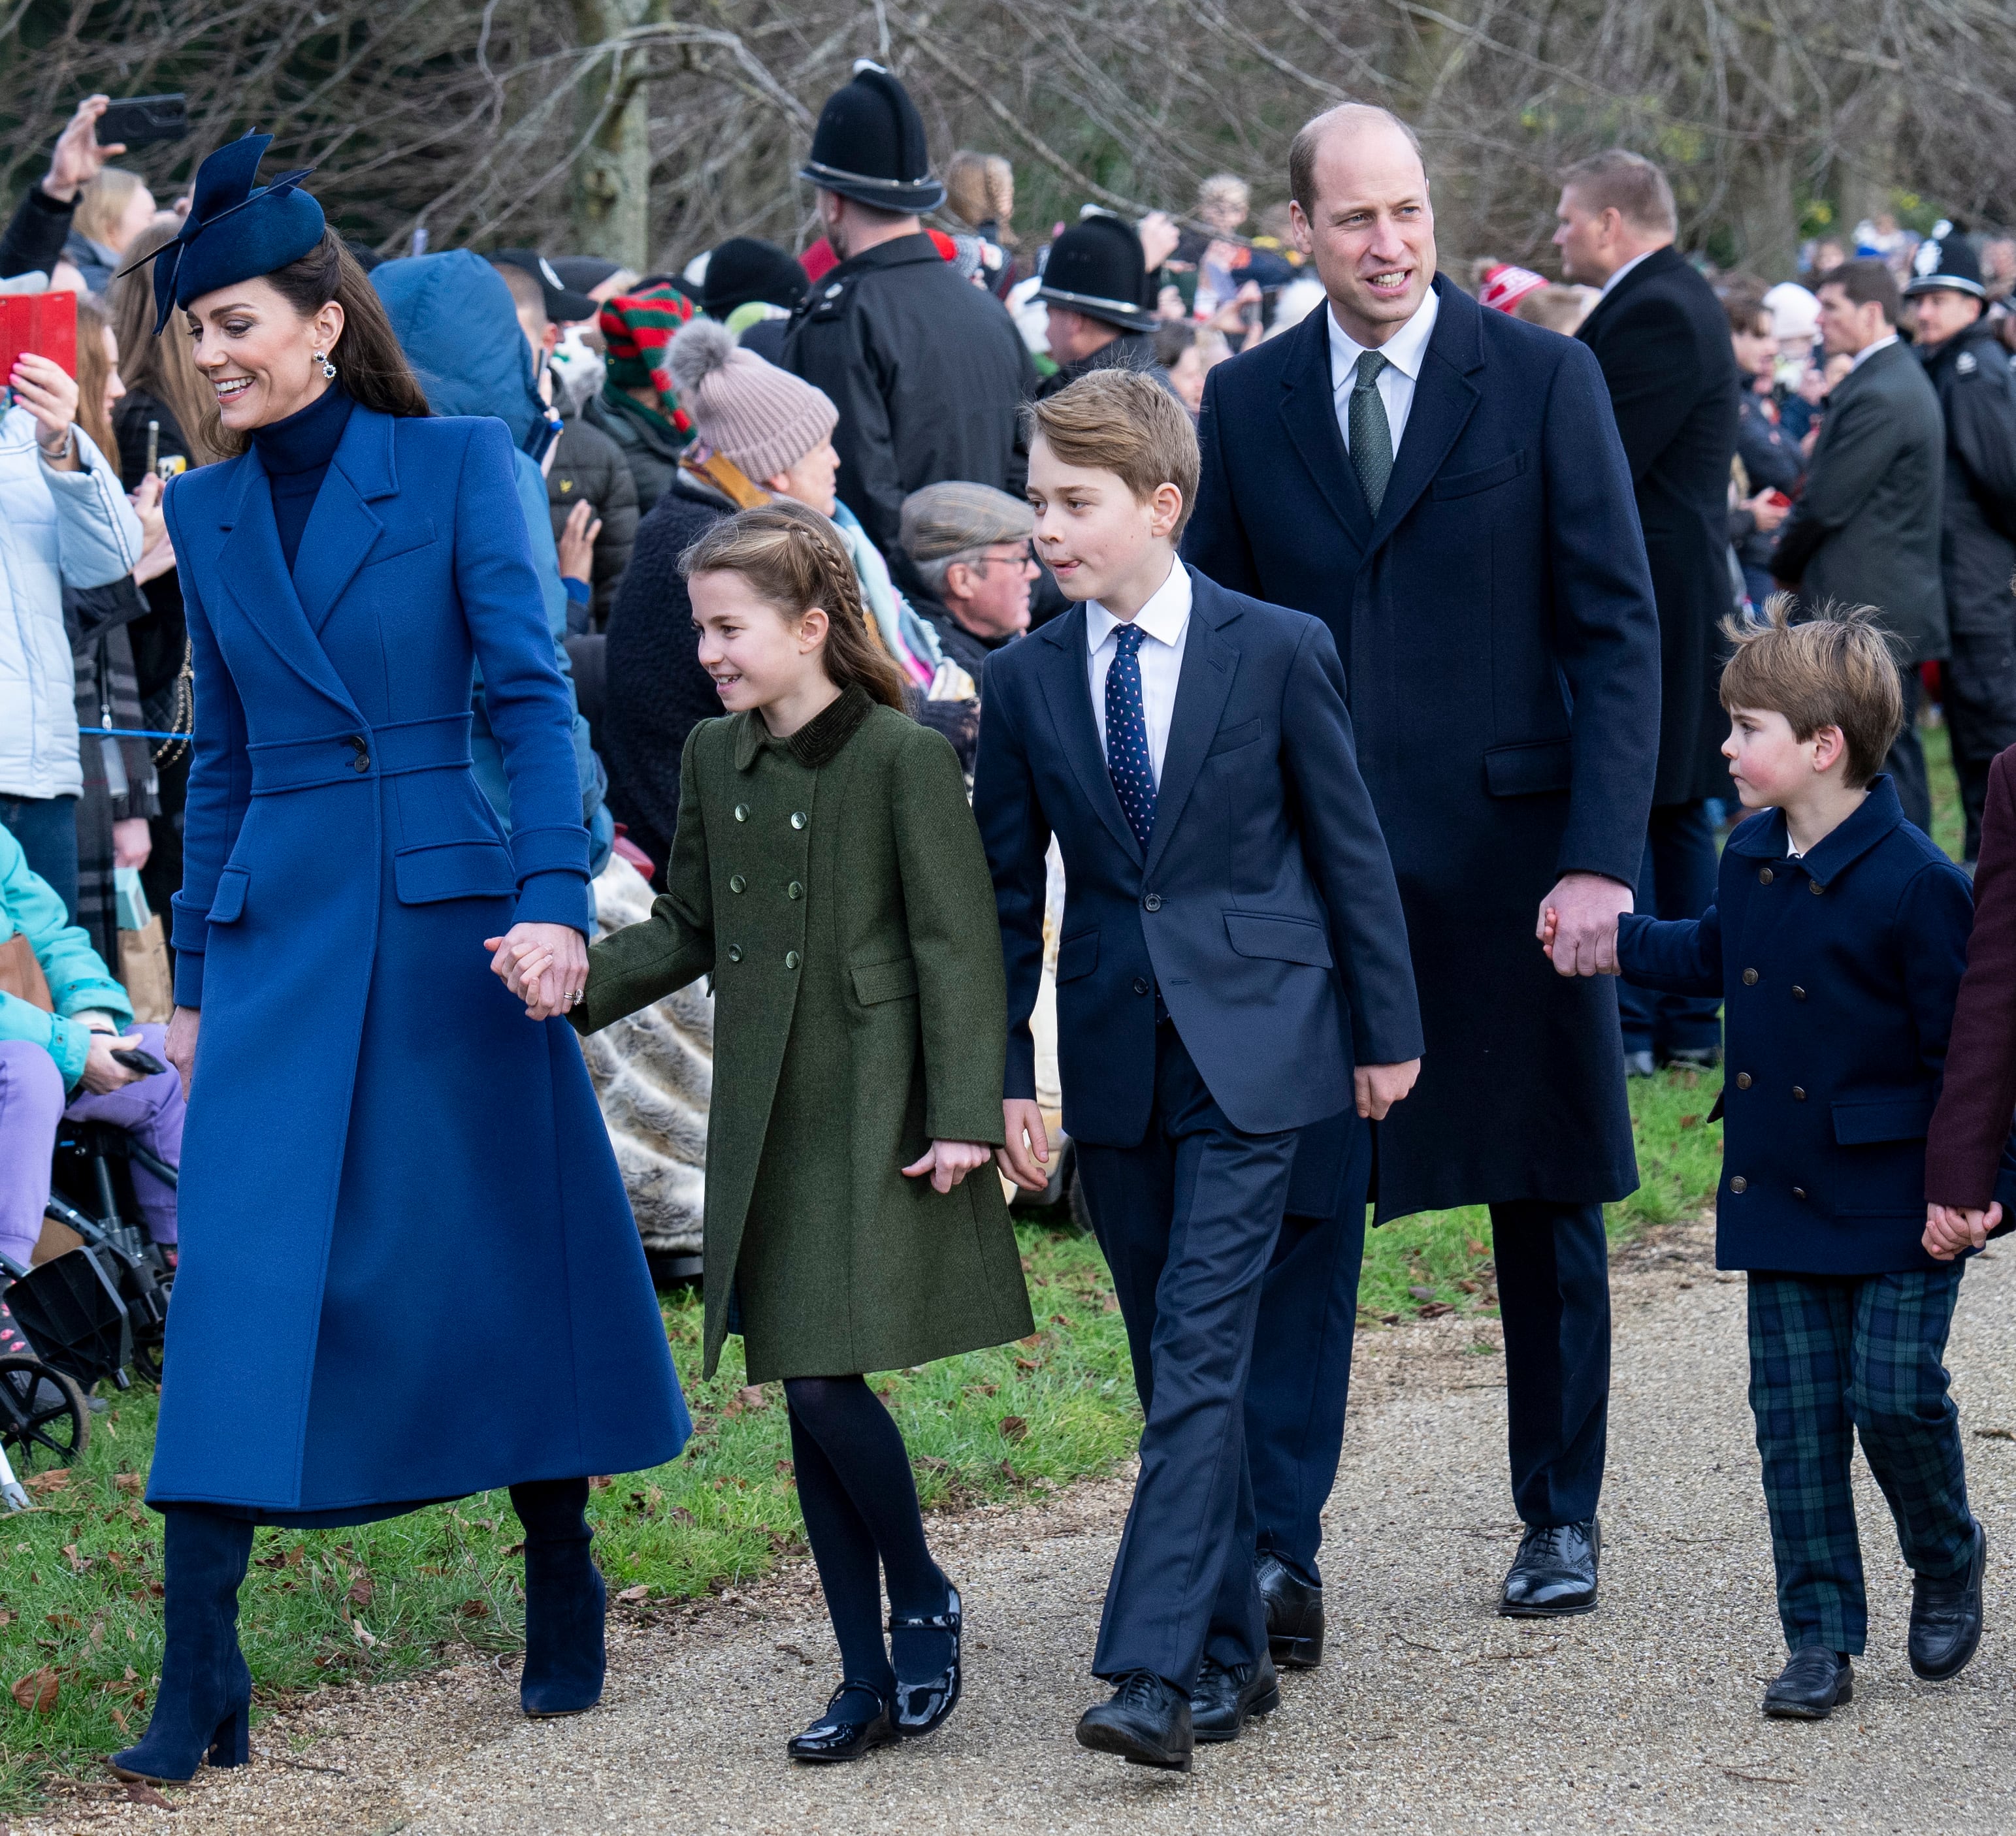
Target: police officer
(1095, 289)
(928, 371)
(1970, 370)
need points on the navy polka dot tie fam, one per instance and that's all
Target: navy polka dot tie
(1127, 757)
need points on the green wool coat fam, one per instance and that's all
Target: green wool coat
(833, 885)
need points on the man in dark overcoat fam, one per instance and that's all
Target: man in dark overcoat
(927, 372)
(1662, 339)
(1445, 488)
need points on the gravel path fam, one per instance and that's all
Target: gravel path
(1431, 1714)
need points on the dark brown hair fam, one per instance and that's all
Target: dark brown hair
(1835, 670)
(1742, 298)
(164, 367)
(1122, 421)
(793, 559)
(1628, 184)
(94, 371)
(369, 360)
(1864, 281)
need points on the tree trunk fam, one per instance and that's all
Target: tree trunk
(612, 197)
(1767, 220)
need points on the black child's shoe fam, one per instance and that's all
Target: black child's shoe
(856, 1722)
(1945, 1617)
(1294, 1614)
(921, 1706)
(1147, 1722)
(1814, 1682)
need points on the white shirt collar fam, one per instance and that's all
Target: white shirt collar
(1632, 263)
(1163, 618)
(1405, 349)
(1869, 350)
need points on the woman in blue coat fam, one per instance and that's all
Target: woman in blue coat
(410, 1271)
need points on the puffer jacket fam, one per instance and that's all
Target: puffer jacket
(57, 529)
(590, 467)
(80, 984)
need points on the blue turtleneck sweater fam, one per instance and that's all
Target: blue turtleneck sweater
(296, 453)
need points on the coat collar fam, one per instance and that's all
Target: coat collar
(1764, 837)
(818, 742)
(1660, 260)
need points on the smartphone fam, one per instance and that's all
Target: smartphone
(140, 119)
(171, 466)
(145, 1063)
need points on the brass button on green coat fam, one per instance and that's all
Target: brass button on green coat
(735, 952)
(737, 883)
(888, 1032)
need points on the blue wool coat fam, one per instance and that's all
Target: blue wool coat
(1838, 973)
(409, 1269)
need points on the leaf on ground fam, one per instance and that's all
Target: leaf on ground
(137, 1793)
(134, 1485)
(1060, 1319)
(1434, 1309)
(55, 1479)
(78, 1563)
(750, 1396)
(361, 1591)
(1995, 1433)
(1035, 1338)
(474, 1609)
(362, 1637)
(1013, 1428)
(599, 1482)
(632, 1596)
(786, 1469)
(1689, 1122)
(931, 1463)
(1473, 1246)
(681, 1515)
(1109, 1304)
(37, 1692)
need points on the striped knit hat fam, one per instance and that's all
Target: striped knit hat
(638, 329)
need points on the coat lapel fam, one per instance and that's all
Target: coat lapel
(1067, 678)
(1308, 415)
(254, 572)
(1202, 686)
(341, 527)
(1443, 401)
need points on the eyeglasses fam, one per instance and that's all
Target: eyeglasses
(1023, 555)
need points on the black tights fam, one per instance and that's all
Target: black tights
(552, 1510)
(860, 1506)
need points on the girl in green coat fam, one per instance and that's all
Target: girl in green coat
(827, 874)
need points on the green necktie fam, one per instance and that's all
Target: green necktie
(1371, 438)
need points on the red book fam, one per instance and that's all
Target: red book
(42, 325)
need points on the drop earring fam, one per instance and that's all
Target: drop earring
(327, 368)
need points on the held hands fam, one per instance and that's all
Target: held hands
(1578, 923)
(546, 965)
(1378, 1087)
(1952, 1230)
(947, 1162)
(1026, 1159)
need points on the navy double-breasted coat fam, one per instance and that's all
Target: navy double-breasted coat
(1838, 971)
(409, 1269)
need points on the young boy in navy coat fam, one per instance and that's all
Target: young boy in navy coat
(1836, 943)
(1233, 967)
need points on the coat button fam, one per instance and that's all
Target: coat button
(1750, 978)
(799, 818)
(1815, 887)
(790, 959)
(735, 952)
(742, 812)
(737, 883)
(361, 762)
(1140, 984)
(1799, 1192)
(1798, 993)
(794, 891)
(1743, 1080)
(1152, 903)
(1798, 1093)
(1739, 1184)
(1765, 877)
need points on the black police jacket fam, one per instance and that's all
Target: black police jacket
(1977, 536)
(928, 373)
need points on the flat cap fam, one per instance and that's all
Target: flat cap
(956, 517)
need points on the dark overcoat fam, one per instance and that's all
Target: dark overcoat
(833, 887)
(1837, 972)
(1977, 392)
(1501, 653)
(1662, 339)
(408, 1269)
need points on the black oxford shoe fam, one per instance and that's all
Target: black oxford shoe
(1294, 1614)
(842, 1733)
(1945, 1617)
(1227, 1696)
(1813, 1684)
(1554, 1573)
(1147, 1723)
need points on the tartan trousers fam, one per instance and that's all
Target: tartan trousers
(1830, 1357)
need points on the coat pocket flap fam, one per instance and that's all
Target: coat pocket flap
(429, 872)
(885, 981)
(1231, 739)
(1859, 1120)
(1469, 483)
(227, 903)
(1526, 771)
(401, 540)
(1078, 956)
(1279, 939)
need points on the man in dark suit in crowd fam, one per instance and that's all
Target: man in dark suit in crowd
(1866, 529)
(1444, 486)
(1662, 339)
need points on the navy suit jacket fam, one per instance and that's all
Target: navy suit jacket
(1264, 908)
(1496, 626)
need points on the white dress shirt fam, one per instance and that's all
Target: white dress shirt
(1628, 266)
(1164, 622)
(1869, 350)
(1404, 352)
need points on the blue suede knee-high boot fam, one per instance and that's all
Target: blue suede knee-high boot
(203, 1709)
(564, 1599)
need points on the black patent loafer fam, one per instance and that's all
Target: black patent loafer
(1814, 1682)
(1554, 1574)
(1228, 1696)
(1945, 1617)
(919, 1707)
(1147, 1722)
(1294, 1614)
(837, 1736)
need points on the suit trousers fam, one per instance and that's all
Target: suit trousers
(1301, 1378)
(1831, 1357)
(1677, 881)
(1552, 1261)
(1188, 1220)
(1907, 760)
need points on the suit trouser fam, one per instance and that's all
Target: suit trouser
(1980, 716)
(1188, 1221)
(1300, 1379)
(1676, 879)
(1907, 760)
(1831, 1356)
(1552, 1261)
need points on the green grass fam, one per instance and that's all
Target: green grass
(1948, 825)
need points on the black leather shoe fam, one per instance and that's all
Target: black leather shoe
(1945, 1617)
(838, 1735)
(1147, 1723)
(919, 1707)
(1554, 1573)
(1699, 1058)
(1812, 1686)
(1227, 1696)
(1294, 1614)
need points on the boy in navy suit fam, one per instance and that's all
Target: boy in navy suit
(1233, 967)
(1836, 943)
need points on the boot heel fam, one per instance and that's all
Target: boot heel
(231, 1745)
(1295, 1653)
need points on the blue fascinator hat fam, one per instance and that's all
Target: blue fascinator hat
(236, 230)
